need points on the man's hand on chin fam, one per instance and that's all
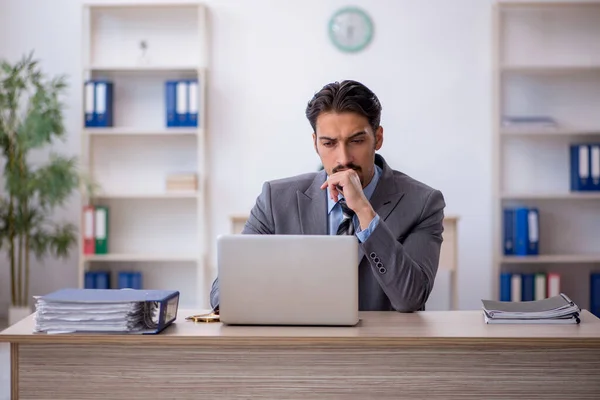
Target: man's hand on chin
(348, 183)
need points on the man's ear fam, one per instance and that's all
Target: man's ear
(314, 135)
(379, 138)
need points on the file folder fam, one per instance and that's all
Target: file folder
(192, 103)
(595, 167)
(595, 294)
(181, 103)
(505, 286)
(130, 280)
(533, 231)
(89, 103)
(509, 229)
(89, 240)
(106, 310)
(101, 230)
(580, 167)
(521, 231)
(104, 99)
(171, 103)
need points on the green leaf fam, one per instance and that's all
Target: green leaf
(56, 181)
(63, 239)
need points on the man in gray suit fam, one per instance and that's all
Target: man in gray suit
(396, 219)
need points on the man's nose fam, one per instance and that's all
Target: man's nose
(343, 157)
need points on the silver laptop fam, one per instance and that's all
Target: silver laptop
(288, 279)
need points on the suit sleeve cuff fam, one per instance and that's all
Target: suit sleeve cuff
(364, 235)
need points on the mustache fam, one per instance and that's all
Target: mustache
(345, 167)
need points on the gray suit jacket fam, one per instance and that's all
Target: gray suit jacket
(400, 258)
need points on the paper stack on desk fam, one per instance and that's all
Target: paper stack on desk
(106, 311)
(553, 310)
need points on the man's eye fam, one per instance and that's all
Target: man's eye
(327, 144)
(358, 141)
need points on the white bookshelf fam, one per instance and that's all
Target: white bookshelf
(161, 233)
(546, 62)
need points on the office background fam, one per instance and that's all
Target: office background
(430, 63)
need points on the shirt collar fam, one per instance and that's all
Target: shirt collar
(368, 190)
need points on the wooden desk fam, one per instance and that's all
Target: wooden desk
(431, 354)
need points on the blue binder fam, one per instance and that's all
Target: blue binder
(509, 229)
(580, 167)
(533, 231)
(89, 97)
(595, 294)
(90, 280)
(171, 103)
(192, 108)
(595, 166)
(528, 287)
(521, 231)
(162, 304)
(130, 280)
(98, 103)
(505, 286)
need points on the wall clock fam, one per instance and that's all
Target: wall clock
(350, 29)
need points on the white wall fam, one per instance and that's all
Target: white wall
(429, 64)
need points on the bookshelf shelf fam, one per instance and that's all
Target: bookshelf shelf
(551, 69)
(546, 63)
(551, 196)
(530, 132)
(141, 258)
(131, 131)
(553, 259)
(148, 196)
(143, 68)
(140, 157)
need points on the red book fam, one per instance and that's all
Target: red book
(553, 285)
(89, 241)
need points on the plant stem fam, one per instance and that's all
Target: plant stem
(11, 226)
(11, 251)
(26, 289)
(20, 277)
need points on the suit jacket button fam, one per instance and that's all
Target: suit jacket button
(382, 270)
(373, 255)
(377, 260)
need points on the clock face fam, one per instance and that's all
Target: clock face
(350, 29)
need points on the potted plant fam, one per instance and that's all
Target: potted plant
(31, 119)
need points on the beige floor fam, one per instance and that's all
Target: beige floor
(4, 367)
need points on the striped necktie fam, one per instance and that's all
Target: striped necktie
(346, 226)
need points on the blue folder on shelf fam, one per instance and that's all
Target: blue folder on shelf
(126, 311)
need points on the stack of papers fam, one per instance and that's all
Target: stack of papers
(553, 310)
(105, 310)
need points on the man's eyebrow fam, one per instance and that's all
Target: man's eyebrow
(355, 135)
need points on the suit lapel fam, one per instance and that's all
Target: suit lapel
(312, 206)
(387, 194)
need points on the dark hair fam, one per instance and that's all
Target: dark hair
(345, 96)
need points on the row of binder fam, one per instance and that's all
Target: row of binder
(181, 103)
(528, 286)
(101, 280)
(517, 287)
(95, 229)
(585, 167)
(521, 231)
